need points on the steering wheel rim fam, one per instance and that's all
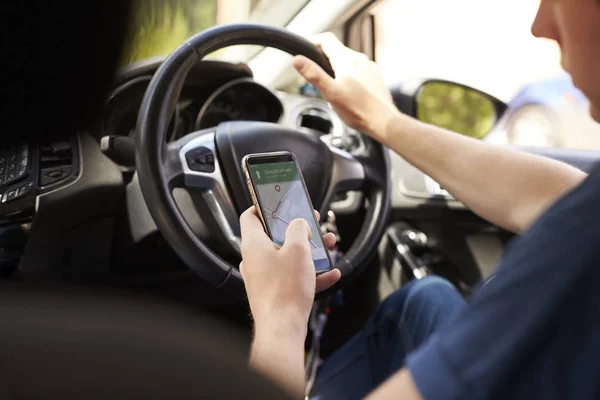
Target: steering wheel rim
(162, 167)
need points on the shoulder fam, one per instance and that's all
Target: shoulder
(574, 220)
(538, 283)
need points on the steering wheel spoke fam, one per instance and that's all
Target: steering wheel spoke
(194, 165)
(348, 173)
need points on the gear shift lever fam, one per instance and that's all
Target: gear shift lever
(405, 241)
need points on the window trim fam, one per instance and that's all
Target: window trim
(360, 28)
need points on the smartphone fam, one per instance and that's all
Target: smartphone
(279, 194)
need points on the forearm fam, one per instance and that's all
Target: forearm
(278, 352)
(507, 187)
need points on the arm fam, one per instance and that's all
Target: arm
(504, 186)
(278, 352)
(281, 286)
(507, 187)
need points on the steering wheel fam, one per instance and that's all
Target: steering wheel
(209, 162)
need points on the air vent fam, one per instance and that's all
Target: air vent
(316, 119)
(56, 162)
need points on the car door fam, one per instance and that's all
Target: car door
(460, 42)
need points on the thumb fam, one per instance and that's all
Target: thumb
(314, 74)
(297, 235)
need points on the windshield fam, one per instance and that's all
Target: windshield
(159, 26)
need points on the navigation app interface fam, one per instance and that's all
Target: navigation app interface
(283, 199)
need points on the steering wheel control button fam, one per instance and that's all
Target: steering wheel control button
(337, 142)
(201, 159)
(346, 142)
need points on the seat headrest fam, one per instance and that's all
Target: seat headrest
(59, 60)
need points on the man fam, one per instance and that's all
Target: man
(532, 332)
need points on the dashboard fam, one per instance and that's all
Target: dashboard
(199, 107)
(239, 100)
(213, 92)
(230, 94)
(86, 207)
(216, 92)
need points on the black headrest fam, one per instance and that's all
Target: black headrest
(59, 58)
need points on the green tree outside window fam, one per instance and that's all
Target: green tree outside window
(159, 26)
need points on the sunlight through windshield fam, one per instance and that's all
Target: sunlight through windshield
(159, 26)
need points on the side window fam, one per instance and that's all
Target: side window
(489, 46)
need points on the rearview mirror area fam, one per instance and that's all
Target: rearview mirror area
(458, 108)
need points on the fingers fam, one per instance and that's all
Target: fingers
(317, 216)
(329, 44)
(249, 221)
(338, 54)
(330, 240)
(252, 231)
(314, 75)
(328, 279)
(297, 236)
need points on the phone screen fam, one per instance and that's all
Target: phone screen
(283, 198)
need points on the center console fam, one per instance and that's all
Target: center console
(18, 177)
(27, 171)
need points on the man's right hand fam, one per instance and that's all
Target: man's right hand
(358, 93)
(281, 281)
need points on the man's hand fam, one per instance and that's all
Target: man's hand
(281, 285)
(358, 93)
(281, 282)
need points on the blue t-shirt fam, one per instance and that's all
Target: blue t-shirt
(532, 332)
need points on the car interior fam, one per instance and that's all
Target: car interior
(127, 179)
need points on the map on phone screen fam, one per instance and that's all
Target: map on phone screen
(282, 198)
